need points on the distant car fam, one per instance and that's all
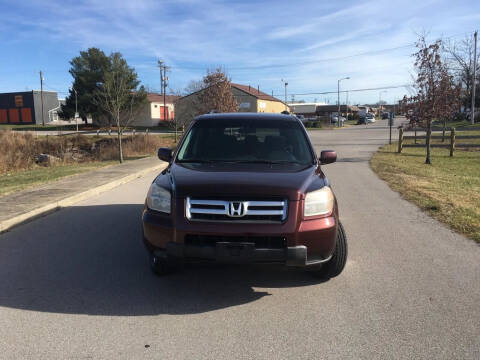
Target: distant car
(300, 117)
(385, 115)
(334, 119)
(469, 116)
(369, 118)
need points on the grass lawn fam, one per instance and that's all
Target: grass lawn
(456, 124)
(449, 189)
(350, 122)
(21, 180)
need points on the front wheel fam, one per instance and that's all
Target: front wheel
(159, 264)
(337, 263)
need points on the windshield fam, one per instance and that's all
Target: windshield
(255, 141)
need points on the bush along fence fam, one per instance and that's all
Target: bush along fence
(452, 145)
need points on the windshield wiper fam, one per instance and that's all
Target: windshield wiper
(266, 162)
(203, 161)
(269, 162)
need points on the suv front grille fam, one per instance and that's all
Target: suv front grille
(261, 242)
(236, 211)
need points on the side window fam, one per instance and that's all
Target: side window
(187, 145)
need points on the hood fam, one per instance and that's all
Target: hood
(244, 181)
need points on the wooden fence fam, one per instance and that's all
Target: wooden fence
(452, 145)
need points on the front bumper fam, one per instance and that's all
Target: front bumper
(305, 242)
(240, 253)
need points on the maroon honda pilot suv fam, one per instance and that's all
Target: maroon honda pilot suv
(242, 188)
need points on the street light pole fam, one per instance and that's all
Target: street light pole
(286, 84)
(346, 104)
(338, 98)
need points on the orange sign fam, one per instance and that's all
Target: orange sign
(18, 100)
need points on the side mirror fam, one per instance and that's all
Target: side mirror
(328, 157)
(165, 154)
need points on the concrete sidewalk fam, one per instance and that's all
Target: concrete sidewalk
(27, 204)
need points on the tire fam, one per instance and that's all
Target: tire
(160, 265)
(336, 264)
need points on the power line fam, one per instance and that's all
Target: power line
(298, 63)
(310, 62)
(351, 90)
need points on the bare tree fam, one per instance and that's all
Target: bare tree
(449, 101)
(118, 96)
(459, 56)
(214, 93)
(436, 93)
(217, 94)
(194, 86)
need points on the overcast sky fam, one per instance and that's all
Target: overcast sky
(310, 43)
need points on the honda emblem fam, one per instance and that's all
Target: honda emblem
(236, 209)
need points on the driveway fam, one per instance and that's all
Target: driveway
(76, 284)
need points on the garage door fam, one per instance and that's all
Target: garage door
(3, 116)
(26, 115)
(13, 116)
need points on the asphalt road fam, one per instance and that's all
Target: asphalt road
(76, 284)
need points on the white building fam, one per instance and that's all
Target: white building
(154, 112)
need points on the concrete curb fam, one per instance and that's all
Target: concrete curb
(70, 200)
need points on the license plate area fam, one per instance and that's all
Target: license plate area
(234, 252)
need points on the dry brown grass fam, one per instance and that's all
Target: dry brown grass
(140, 145)
(18, 150)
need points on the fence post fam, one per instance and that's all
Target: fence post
(452, 141)
(400, 140)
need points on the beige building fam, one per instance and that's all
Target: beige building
(249, 99)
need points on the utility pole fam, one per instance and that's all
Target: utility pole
(41, 96)
(164, 79)
(338, 98)
(159, 64)
(472, 112)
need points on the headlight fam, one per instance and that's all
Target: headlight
(159, 199)
(319, 202)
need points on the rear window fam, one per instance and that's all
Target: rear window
(246, 141)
